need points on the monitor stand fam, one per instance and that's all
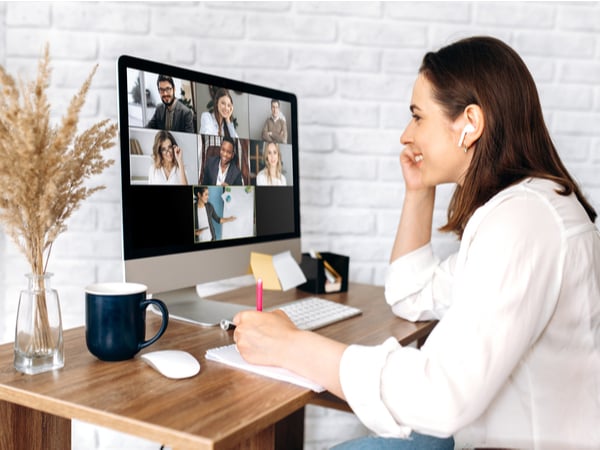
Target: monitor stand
(185, 304)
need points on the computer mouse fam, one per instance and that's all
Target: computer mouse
(174, 364)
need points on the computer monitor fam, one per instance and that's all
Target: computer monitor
(206, 180)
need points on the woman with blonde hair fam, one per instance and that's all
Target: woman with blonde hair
(272, 174)
(167, 166)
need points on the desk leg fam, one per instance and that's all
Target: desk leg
(261, 441)
(289, 432)
(27, 429)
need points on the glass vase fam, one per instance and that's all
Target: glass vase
(38, 333)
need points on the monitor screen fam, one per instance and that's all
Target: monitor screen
(209, 173)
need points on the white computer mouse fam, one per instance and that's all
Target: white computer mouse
(174, 364)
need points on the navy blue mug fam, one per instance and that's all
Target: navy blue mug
(115, 320)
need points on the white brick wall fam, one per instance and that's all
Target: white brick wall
(352, 65)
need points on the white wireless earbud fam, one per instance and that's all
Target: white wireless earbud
(467, 129)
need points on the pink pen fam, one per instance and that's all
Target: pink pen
(259, 294)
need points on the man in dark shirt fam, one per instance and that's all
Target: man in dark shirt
(171, 114)
(221, 170)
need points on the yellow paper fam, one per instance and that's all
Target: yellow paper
(262, 267)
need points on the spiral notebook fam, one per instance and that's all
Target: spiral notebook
(230, 356)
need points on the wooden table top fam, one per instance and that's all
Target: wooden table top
(216, 409)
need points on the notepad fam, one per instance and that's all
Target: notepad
(230, 356)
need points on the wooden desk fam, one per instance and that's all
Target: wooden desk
(221, 408)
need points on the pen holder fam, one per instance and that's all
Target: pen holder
(314, 271)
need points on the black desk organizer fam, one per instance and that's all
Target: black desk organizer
(315, 272)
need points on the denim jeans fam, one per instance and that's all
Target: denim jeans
(416, 441)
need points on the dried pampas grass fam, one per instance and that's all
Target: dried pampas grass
(43, 167)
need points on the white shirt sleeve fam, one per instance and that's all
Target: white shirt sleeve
(418, 286)
(506, 279)
(373, 414)
(208, 124)
(157, 176)
(261, 179)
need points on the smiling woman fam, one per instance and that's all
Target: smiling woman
(219, 122)
(167, 166)
(222, 170)
(508, 301)
(272, 174)
(427, 134)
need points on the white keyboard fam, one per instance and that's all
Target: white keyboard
(313, 312)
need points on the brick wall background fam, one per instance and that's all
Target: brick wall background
(351, 64)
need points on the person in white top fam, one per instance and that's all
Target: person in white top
(167, 161)
(514, 361)
(205, 214)
(271, 174)
(220, 121)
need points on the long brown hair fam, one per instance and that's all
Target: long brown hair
(222, 123)
(515, 143)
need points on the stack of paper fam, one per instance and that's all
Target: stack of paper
(230, 356)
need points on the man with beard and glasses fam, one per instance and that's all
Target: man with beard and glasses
(171, 114)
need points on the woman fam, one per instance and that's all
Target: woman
(167, 167)
(205, 213)
(220, 121)
(515, 357)
(221, 170)
(271, 174)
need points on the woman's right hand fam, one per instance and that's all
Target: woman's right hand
(261, 337)
(410, 163)
(414, 229)
(228, 115)
(178, 154)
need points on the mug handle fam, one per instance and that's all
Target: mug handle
(165, 320)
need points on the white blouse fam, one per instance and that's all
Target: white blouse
(262, 179)
(209, 125)
(158, 176)
(203, 225)
(515, 359)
